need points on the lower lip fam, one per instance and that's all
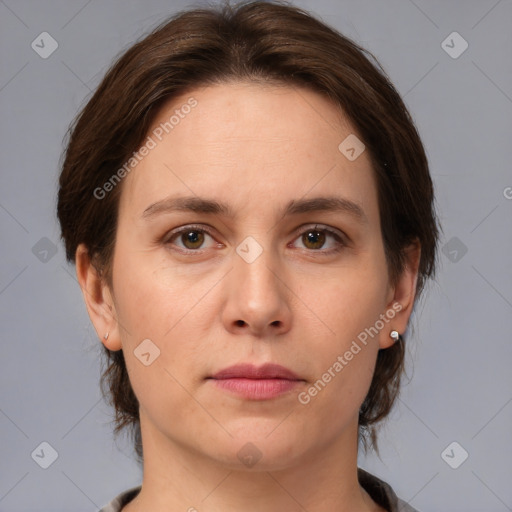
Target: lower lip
(257, 389)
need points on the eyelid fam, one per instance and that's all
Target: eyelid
(321, 227)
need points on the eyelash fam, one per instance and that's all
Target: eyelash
(340, 242)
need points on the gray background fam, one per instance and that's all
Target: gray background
(459, 359)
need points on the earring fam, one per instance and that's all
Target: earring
(394, 335)
(106, 336)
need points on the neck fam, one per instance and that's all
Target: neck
(178, 478)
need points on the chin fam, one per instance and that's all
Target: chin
(261, 446)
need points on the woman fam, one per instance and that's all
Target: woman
(251, 215)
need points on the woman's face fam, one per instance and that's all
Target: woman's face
(247, 237)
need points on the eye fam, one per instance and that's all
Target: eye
(191, 238)
(314, 238)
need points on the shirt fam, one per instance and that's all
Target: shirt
(380, 492)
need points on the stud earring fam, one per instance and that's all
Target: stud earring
(106, 336)
(394, 335)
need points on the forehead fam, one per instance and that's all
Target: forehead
(250, 142)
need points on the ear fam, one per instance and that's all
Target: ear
(401, 296)
(98, 300)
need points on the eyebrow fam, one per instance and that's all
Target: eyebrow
(294, 207)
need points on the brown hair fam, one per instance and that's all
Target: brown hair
(256, 41)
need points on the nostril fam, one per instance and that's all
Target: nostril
(240, 323)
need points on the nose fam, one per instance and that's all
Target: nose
(258, 298)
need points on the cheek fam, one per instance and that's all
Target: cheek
(157, 301)
(350, 305)
(151, 294)
(344, 364)
(352, 300)
(152, 306)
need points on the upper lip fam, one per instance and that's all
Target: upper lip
(250, 371)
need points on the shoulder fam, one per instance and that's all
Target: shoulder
(121, 500)
(382, 493)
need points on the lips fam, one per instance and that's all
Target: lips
(256, 382)
(249, 371)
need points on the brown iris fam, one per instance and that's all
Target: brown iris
(315, 237)
(194, 238)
